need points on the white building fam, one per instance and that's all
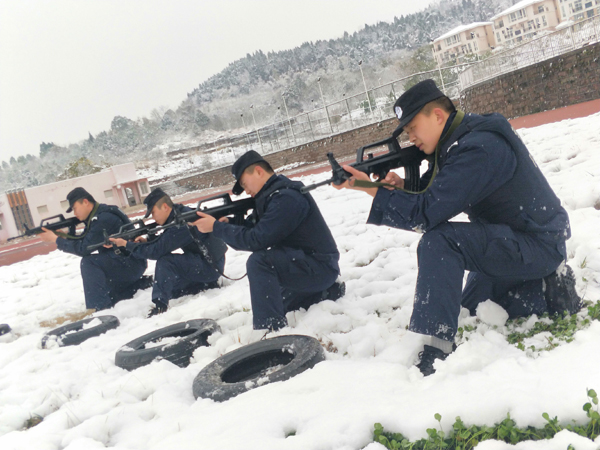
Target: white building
(473, 39)
(524, 21)
(575, 10)
(117, 185)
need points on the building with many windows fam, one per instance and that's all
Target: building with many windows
(524, 20)
(473, 39)
(574, 10)
(521, 22)
(25, 208)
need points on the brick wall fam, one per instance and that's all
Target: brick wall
(341, 145)
(561, 81)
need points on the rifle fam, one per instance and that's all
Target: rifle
(61, 223)
(237, 209)
(409, 157)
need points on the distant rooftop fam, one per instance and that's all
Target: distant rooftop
(462, 28)
(516, 7)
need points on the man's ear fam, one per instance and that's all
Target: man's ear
(440, 117)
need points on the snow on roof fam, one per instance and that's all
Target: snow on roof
(517, 6)
(462, 28)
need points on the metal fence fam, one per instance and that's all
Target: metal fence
(351, 112)
(539, 49)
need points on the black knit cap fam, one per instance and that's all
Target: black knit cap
(152, 198)
(243, 162)
(78, 193)
(412, 101)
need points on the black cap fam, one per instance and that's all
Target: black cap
(153, 197)
(412, 101)
(78, 193)
(247, 159)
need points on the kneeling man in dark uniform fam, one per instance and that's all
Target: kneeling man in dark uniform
(514, 242)
(197, 269)
(294, 260)
(108, 276)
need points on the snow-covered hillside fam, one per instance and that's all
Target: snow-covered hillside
(87, 402)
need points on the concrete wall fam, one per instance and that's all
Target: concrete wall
(561, 81)
(341, 145)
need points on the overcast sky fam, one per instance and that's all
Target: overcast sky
(69, 66)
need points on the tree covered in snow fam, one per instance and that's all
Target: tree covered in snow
(389, 51)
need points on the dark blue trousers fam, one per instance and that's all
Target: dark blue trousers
(106, 275)
(505, 266)
(286, 279)
(181, 274)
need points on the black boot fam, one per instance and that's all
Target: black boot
(428, 357)
(335, 291)
(560, 293)
(158, 308)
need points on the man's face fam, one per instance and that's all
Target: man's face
(425, 131)
(160, 214)
(82, 208)
(252, 182)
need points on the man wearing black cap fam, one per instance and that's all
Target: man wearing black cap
(294, 260)
(107, 276)
(197, 269)
(513, 246)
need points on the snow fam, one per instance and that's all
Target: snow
(516, 7)
(462, 28)
(87, 402)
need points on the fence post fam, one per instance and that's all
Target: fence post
(349, 113)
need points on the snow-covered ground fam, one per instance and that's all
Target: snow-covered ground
(87, 402)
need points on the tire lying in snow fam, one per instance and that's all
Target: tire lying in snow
(4, 329)
(185, 338)
(77, 332)
(254, 365)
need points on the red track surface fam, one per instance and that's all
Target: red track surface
(24, 250)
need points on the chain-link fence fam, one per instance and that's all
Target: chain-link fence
(544, 47)
(343, 115)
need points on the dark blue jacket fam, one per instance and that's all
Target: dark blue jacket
(106, 218)
(178, 237)
(484, 170)
(283, 217)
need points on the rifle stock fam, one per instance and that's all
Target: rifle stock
(59, 224)
(237, 209)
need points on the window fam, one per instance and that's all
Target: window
(520, 38)
(577, 6)
(498, 34)
(540, 9)
(563, 11)
(144, 186)
(108, 193)
(42, 209)
(517, 15)
(453, 39)
(590, 13)
(475, 45)
(517, 32)
(544, 21)
(588, 5)
(500, 24)
(64, 205)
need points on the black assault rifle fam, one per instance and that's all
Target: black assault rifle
(238, 210)
(409, 157)
(59, 224)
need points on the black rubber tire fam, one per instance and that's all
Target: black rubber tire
(79, 334)
(4, 329)
(193, 334)
(248, 367)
